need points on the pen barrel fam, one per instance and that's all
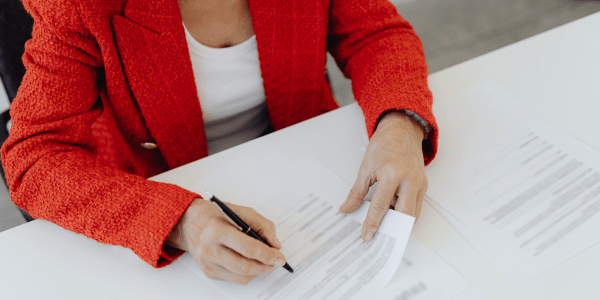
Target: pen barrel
(241, 224)
(255, 235)
(230, 214)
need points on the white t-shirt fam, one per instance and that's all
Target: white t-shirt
(231, 92)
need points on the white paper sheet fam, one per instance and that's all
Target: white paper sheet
(525, 194)
(422, 275)
(322, 245)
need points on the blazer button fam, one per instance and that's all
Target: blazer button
(149, 146)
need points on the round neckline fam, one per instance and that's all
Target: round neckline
(219, 53)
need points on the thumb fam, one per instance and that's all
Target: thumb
(356, 195)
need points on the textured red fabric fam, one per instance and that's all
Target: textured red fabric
(105, 76)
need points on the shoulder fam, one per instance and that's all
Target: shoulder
(72, 27)
(70, 13)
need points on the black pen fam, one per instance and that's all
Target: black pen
(245, 228)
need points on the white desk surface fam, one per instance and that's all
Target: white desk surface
(556, 74)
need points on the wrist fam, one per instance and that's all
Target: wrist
(398, 119)
(177, 238)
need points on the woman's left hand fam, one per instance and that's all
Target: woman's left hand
(394, 159)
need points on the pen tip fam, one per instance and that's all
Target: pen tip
(208, 195)
(287, 267)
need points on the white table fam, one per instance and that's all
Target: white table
(556, 74)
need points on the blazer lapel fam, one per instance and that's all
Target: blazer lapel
(291, 40)
(151, 41)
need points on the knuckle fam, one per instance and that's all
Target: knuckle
(380, 207)
(390, 171)
(271, 226)
(247, 250)
(372, 225)
(267, 225)
(421, 177)
(210, 233)
(213, 223)
(208, 271)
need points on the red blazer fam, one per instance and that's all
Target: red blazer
(103, 77)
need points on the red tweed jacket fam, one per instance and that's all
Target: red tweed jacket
(103, 77)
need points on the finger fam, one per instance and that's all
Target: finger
(210, 272)
(419, 204)
(220, 273)
(240, 265)
(263, 226)
(380, 203)
(407, 199)
(393, 203)
(357, 194)
(251, 248)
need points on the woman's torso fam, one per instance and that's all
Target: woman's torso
(217, 23)
(226, 70)
(147, 84)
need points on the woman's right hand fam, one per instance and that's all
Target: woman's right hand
(222, 251)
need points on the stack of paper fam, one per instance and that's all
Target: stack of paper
(525, 194)
(324, 247)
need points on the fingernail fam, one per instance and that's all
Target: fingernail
(368, 236)
(277, 243)
(280, 262)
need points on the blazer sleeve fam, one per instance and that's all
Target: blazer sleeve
(380, 52)
(49, 157)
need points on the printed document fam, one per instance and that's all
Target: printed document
(422, 275)
(322, 245)
(524, 193)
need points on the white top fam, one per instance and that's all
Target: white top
(231, 92)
